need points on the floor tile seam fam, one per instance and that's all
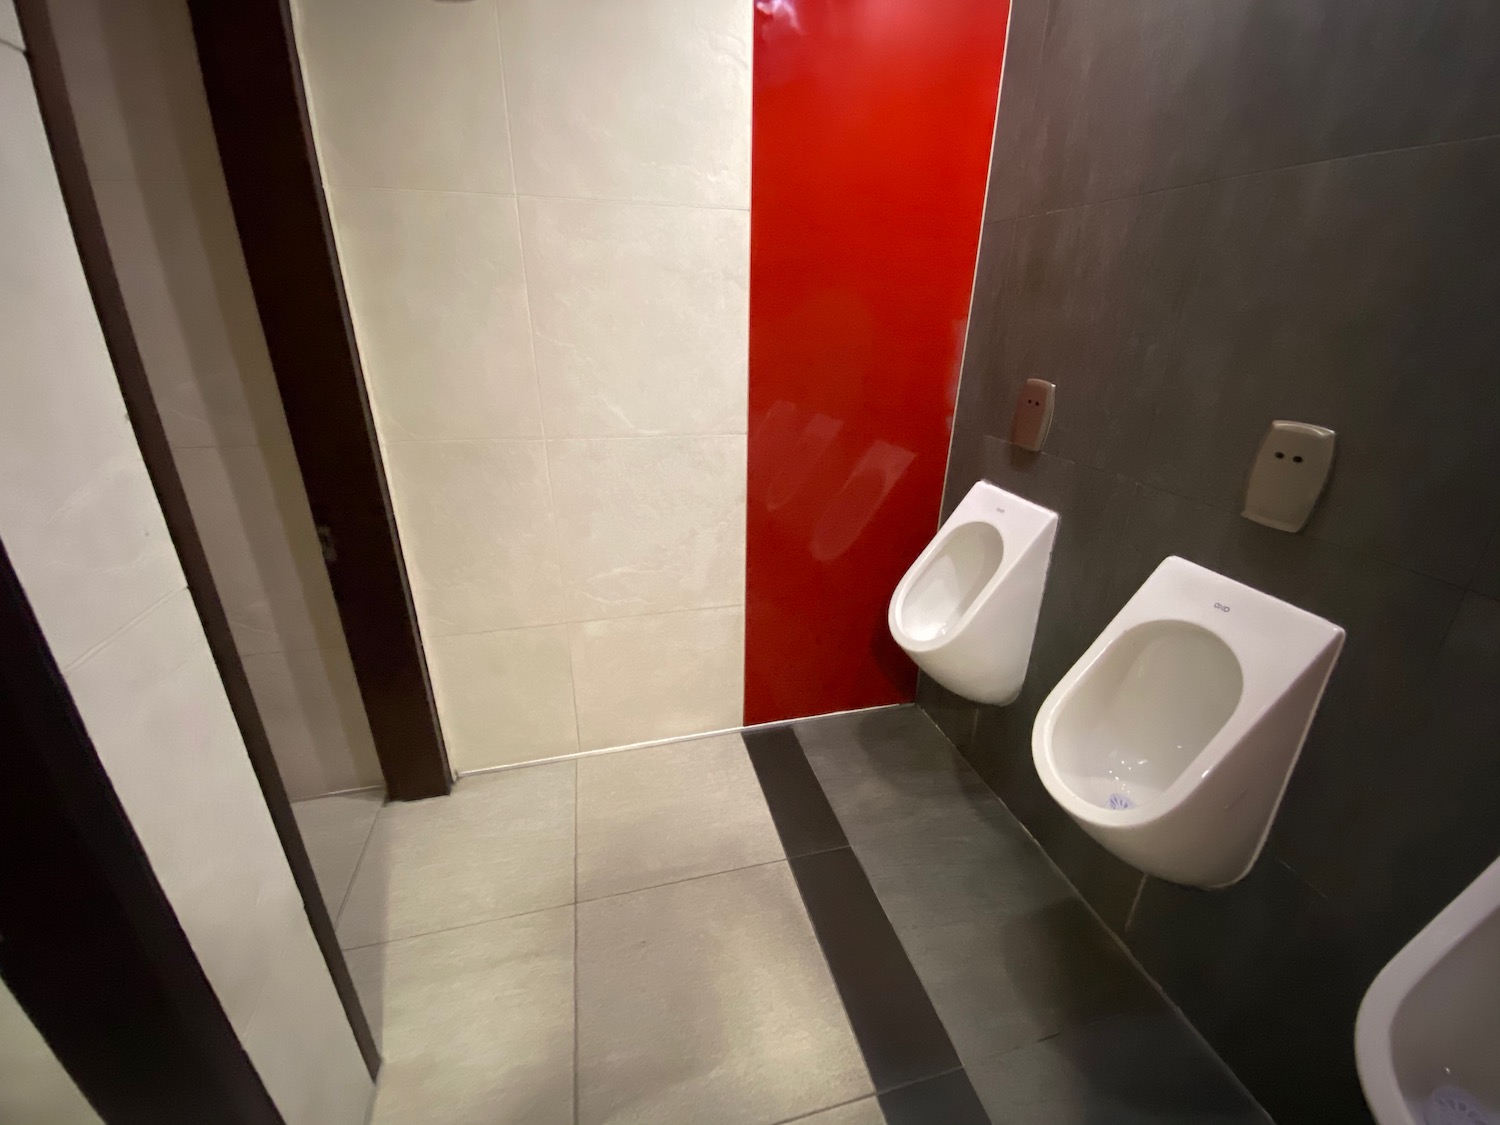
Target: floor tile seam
(460, 926)
(959, 1069)
(684, 879)
(872, 1096)
(354, 875)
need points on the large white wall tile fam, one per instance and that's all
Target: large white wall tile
(158, 717)
(10, 32)
(476, 525)
(505, 697)
(79, 515)
(648, 100)
(131, 70)
(251, 514)
(650, 524)
(641, 316)
(315, 720)
(177, 255)
(438, 291)
(407, 93)
(641, 678)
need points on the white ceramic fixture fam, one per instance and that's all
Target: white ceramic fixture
(1427, 1040)
(966, 609)
(1172, 738)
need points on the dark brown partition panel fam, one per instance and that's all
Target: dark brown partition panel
(254, 81)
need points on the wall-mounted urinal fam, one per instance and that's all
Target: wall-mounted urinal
(966, 609)
(1427, 1040)
(1172, 738)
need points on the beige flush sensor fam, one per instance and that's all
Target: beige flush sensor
(1289, 474)
(1033, 417)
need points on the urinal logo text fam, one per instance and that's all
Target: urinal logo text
(1221, 607)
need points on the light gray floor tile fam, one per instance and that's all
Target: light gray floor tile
(475, 1024)
(891, 770)
(334, 831)
(709, 1001)
(865, 1112)
(665, 813)
(500, 844)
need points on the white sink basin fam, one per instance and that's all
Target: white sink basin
(1427, 1040)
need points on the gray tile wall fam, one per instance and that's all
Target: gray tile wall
(1203, 215)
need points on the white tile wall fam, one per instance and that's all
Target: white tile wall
(542, 212)
(94, 560)
(508, 696)
(641, 316)
(645, 101)
(409, 95)
(438, 289)
(10, 26)
(650, 524)
(132, 75)
(642, 678)
(477, 527)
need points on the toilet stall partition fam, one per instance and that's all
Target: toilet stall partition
(871, 143)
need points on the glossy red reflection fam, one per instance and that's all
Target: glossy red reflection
(872, 126)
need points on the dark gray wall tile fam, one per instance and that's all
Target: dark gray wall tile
(1340, 77)
(1009, 166)
(954, 715)
(1273, 976)
(1133, 97)
(965, 465)
(1357, 295)
(1159, 525)
(1439, 787)
(1395, 621)
(986, 321)
(1092, 303)
(1137, 1069)
(1092, 508)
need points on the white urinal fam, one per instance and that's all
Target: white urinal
(966, 609)
(1172, 738)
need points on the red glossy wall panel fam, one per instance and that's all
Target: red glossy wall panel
(872, 127)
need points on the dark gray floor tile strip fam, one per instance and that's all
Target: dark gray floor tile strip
(897, 1027)
(803, 817)
(948, 1099)
(903, 1040)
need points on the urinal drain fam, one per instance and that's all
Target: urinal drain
(1449, 1105)
(1120, 801)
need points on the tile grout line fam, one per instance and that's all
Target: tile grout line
(671, 740)
(460, 926)
(358, 863)
(583, 902)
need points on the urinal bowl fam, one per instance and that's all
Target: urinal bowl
(1172, 739)
(966, 610)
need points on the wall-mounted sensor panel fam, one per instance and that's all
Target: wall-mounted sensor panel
(1289, 474)
(1033, 417)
